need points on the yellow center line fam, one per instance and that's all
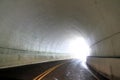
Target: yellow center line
(41, 76)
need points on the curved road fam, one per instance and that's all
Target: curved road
(58, 70)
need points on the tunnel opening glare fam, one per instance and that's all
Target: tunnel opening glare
(79, 49)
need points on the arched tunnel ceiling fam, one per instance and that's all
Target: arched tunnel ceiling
(47, 25)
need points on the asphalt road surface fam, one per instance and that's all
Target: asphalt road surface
(58, 70)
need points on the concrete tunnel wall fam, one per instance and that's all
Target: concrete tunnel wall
(31, 29)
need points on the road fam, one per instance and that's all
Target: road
(58, 70)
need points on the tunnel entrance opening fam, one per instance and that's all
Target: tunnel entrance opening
(79, 48)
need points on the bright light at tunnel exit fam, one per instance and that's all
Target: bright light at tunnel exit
(79, 48)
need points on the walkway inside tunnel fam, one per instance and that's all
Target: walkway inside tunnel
(39, 31)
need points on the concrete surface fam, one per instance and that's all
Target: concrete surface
(12, 57)
(48, 25)
(108, 67)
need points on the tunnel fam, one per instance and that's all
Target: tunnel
(36, 31)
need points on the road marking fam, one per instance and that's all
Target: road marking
(41, 76)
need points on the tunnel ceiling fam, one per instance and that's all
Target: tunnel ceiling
(47, 25)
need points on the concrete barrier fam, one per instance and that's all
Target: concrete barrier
(108, 67)
(12, 57)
